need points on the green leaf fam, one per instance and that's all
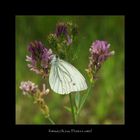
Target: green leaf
(82, 102)
(67, 108)
(77, 99)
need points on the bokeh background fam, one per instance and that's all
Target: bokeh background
(106, 103)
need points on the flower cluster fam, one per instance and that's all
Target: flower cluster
(29, 88)
(40, 58)
(62, 31)
(99, 52)
(63, 36)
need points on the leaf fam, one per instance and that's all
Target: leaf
(67, 108)
(77, 99)
(82, 102)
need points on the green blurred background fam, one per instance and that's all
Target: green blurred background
(106, 104)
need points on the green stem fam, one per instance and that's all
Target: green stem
(51, 121)
(84, 99)
(72, 108)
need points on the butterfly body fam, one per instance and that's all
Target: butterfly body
(65, 78)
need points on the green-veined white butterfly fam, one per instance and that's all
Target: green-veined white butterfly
(65, 78)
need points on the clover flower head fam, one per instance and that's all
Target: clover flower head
(28, 87)
(99, 52)
(40, 57)
(61, 29)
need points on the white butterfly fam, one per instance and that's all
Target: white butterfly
(65, 78)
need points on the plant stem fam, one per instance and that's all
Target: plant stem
(72, 109)
(84, 99)
(51, 121)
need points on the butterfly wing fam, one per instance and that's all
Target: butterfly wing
(65, 78)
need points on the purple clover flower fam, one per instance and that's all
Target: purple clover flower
(36, 49)
(40, 57)
(99, 52)
(62, 30)
(28, 87)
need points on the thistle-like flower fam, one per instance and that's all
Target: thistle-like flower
(40, 58)
(99, 52)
